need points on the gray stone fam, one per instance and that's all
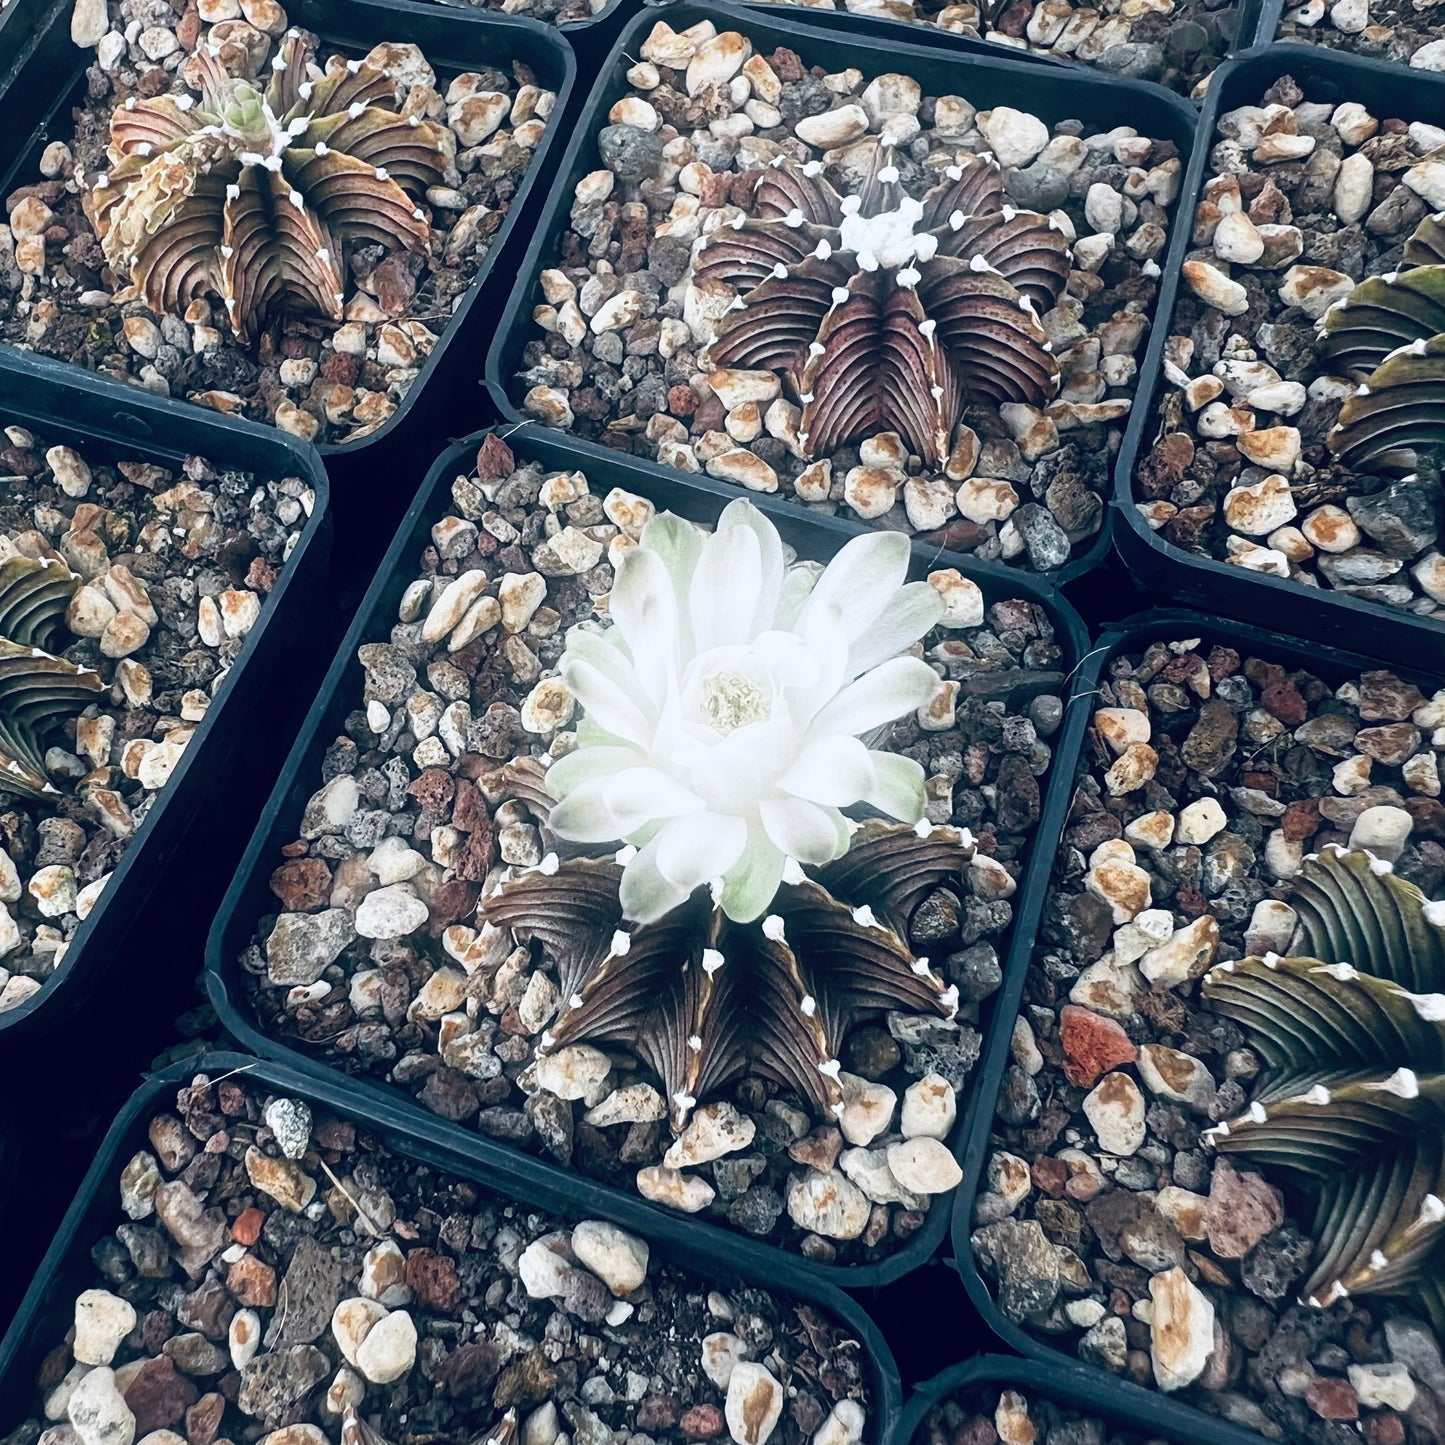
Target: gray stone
(629, 153)
(1018, 1254)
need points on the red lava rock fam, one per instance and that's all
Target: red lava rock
(1092, 1046)
(261, 575)
(340, 368)
(1332, 1398)
(960, 535)
(1283, 700)
(681, 400)
(787, 64)
(338, 1135)
(1242, 1209)
(1301, 820)
(978, 1431)
(159, 1395)
(702, 1422)
(433, 788)
(494, 459)
(1385, 1428)
(394, 283)
(253, 1282)
(470, 1368)
(658, 1412)
(302, 885)
(247, 1227)
(188, 31)
(1015, 19)
(1050, 1175)
(451, 901)
(434, 1278)
(716, 189)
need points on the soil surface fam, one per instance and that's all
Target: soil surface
(1305, 199)
(1101, 1197)
(176, 568)
(984, 1414)
(282, 1271)
(319, 379)
(1405, 32)
(1177, 43)
(421, 797)
(620, 328)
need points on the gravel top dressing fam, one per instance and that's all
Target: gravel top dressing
(983, 1414)
(281, 1276)
(966, 294)
(1406, 32)
(1305, 201)
(1219, 790)
(381, 961)
(1175, 42)
(151, 581)
(358, 325)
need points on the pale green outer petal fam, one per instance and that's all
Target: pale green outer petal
(724, 589)
(742, 513)
(679, 544)
(645, 894)
(606, 810)
(584, 764)
(888, 692)
(899, 788)
(591, 734)
(804, 830)
(856, 586)
(914, 611)
(835, 771)
(752, 882)
(643, 607)
(798, 586)
(700, 847)
(609, 706)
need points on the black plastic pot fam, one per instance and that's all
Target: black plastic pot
(250, 898)
(47, 1311)
(1218, 587)
(108, 421)
(1076, 1389)
(1271, 13)
(888, 33)
(1052, 91)
(1332, 665)
(48, 79)
(584, 32)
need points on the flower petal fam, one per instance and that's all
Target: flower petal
(679, 544)
(742, 513)
(798, 586)
(898, 791)
(914, 611)
(702, 846)
(888, 692)
(856, 586)
(583, 764)
(645, 894)
(724, 589)
(643, 607)
(610, 706)
(752, 882)
(836, 771)
(804, 830)
(608, 809)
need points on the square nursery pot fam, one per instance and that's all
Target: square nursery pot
(1232, 1414)
(506, 1181)
(1054, 93)
(48, 82)
(1120, 1413)
(109, 423)
(1178, 51)
(588, 32)
(238, 994)
(1189, 577)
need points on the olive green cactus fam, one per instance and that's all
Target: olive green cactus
(1350, 1026)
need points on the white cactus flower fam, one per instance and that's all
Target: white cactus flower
(725, 708)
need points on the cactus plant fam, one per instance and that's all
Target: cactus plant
(884, 312)
(1351, 1028)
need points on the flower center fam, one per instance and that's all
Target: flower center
(731, 701)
